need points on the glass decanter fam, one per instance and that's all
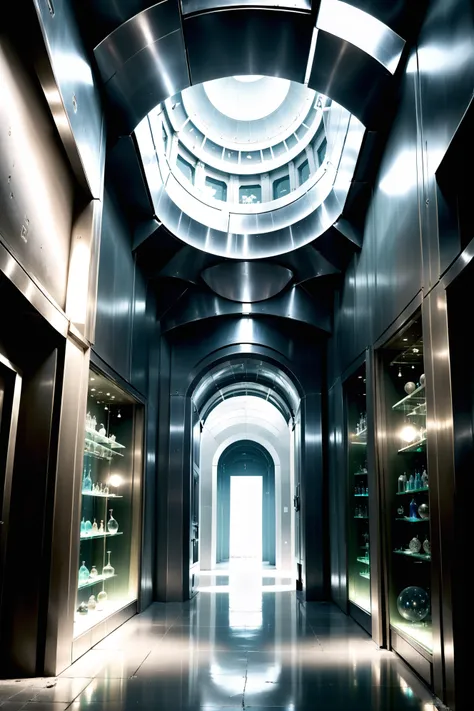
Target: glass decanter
(95, 528)
(83, 573)
(101, 527)
(83, 528)
(87, 481)
(87, 528)
(112, 525)
(101, 599)
(92, 604)
(108, 570)
(94, 572)
(415, 545)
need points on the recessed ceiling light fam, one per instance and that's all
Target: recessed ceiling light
(405, 339)
(92, 379)
(249, 157)
(108, 394)
(92, 390)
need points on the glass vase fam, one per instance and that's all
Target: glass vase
(112, 525)
(83, 573)
(108, 570)
(101, 599)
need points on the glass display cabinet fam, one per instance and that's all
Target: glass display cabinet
(109, 532)
(406, 483)
(358, 523)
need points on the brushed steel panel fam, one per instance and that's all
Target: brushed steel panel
(36, 188)
(142, 30)
(351, 77)
(150, 76)
(72, 93)
(395, 14)
(195, 6)
(240, 41)
(247, 281)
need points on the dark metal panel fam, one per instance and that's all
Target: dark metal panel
(36, 189)
(72, 93)
(351, 77)
(141, 331)
(163, 510)
(195, 6)
(234, 42)
(115, 290)
(108, 15)
(337, 497)
(293, 304)
(247, 281)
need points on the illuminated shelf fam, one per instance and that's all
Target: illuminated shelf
(361, 473)
(413, 491)
(359, 437)
(417, 556)
(366, 495)
(94, 581)
(364, 575)
(412, 401)
(103, 440)
(414, 446)
(100, 535)
(366, 561)
(101, 496)
(366, 518)
(107, 448)
(407, 519)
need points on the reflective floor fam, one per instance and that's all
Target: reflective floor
(245, 642)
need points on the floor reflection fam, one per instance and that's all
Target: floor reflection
(238, 645)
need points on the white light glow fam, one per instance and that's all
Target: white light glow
(408, 434)
(115, 480)
(249, 78)
(247, 100)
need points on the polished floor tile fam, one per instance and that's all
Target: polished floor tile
(239, 644)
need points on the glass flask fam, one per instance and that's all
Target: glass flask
(83, 573)
(101, 599)
(108, 570)
(101, 527)
(415, 545)
(94, 572)
(402, 482)
(83, 528)
(411, 483)
(87, 528)
(95, 528)
(87, 481)
(92, 604)
(413, 509)
(424, 479)
(112, 525)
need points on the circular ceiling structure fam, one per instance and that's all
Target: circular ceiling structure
(247, 98)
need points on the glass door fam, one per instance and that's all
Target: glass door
(110, 507)
(358, 524)
(407, 487)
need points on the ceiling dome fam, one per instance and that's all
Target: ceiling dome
(247, 98)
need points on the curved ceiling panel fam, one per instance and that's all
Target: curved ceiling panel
(192, 6)
(362, 30)
(247, 282)
(248, 41)
(351, 77)
(294, 304)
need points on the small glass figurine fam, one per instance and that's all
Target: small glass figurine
(83, 527)
(417, 480)
(402, 482)
(101, 599)
(413, 509)
(83, 573)
(94, 572)
(411, 483)
(101, 527)
(424, 479)
(102, 430)
(93, 423)
(108, 570)
(427, 546)
(86, 480)
(112, 525)
(83, 609)
(92, 604)
(95, 528)
(87, 528)
(401, 511)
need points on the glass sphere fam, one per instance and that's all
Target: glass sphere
(413, 604)
(423, 511)
(409, 387)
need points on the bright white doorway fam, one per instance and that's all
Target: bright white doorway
(246, 518)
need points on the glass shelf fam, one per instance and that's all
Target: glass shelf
(360, 495)
(358, 437)
(361, 473)
(366, 561)
(413, 491)
(102, 496)
(419, 446)
(412, 401)
(365, 518)
(103, 440)
(364, 575)
(407, 519)
(100, 535)
(107, 448)
(418, 556)
(94, 581)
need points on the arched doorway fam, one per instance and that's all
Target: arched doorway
(245, 459)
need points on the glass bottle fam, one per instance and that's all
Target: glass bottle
(95, 528)
(101, 527)
(87, 481)
(427, 546)
(102, 430)
(413, 509)
(402, 483)
(83, 527)
(87, 528)
(112, 525)
(411, 483)
(93, 423)
(424, 479)
(94, 572)
(92, 603)
(83, 573)
(108, 570)
(417, 480)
